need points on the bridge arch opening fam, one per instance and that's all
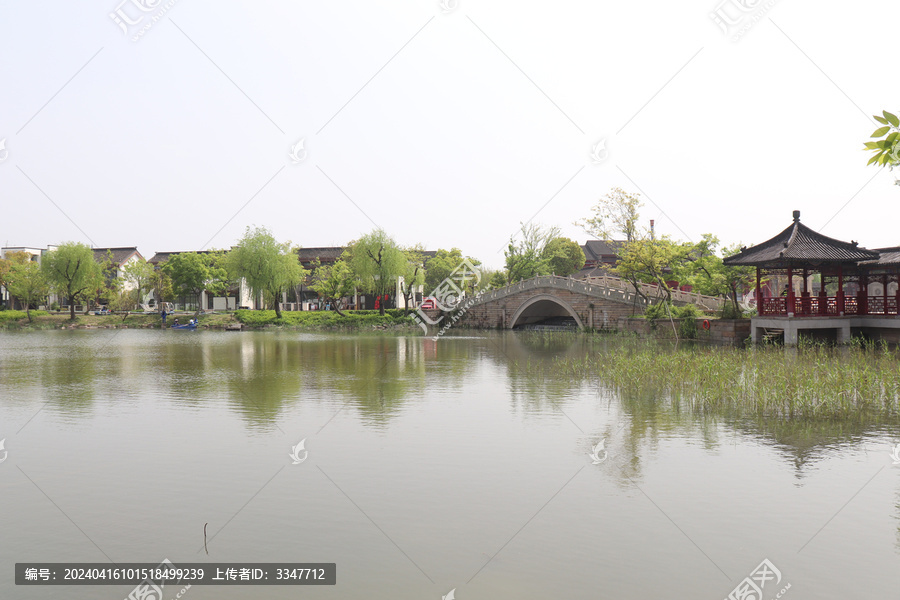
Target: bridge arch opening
(545, 309)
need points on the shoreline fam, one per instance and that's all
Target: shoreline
(213, 321)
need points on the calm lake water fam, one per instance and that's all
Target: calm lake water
(431, 466)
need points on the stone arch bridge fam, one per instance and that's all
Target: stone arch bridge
(597, 302)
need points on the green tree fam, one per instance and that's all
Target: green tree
(445, 262)
(6, 265)
(651, 260)
(189, 272)
(26, 282)
(564, 256)
(616, 213)
(332, 282)
(220, 280)
(643, 257)
(526, 258)
(111, 288)
(268, 266)
(708, 275)
(414, 274)
(440, 266)
(161, 283)
(886, 148)
(377, 261)
(138, 273)
(72, 272)
(497, 279)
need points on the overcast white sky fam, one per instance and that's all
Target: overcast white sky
(446, 125)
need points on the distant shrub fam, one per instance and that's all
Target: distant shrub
(664, 310)
(660, 310)
(688, 328)
(688, 311)
(730, 312)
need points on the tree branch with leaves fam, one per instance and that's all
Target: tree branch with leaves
(886, 148)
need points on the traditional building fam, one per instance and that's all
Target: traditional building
(599, 257)
(831, 289)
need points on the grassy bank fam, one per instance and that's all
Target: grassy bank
(323, 319)
(361, 319)
(812, 382)
(10, 316)
(16, 319)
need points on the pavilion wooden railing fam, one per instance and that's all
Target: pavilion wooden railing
(776, 305)
(827, 306)
(879, 305)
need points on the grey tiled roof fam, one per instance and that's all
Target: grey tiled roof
(595, 250)
(886, 256)
(798, 245)
(119, 255)
(324, 254)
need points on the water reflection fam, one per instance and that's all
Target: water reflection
(450, 446)
(260, 375)
(537, 367)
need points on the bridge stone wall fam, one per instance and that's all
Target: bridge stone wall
(593, 312)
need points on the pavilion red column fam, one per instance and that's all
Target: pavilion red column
(897, 276)
(839, 296)
(862, 296)
(823, 295)
(805, 301)
(790, 294)
(759, 302)
(884, 280)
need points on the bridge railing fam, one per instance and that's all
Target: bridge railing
(621, 294)
(707, 302)
(605, 286)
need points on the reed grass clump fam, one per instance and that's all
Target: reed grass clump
(814, 381)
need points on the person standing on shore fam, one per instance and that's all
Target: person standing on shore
(164, 313)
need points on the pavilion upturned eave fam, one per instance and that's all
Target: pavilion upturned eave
(798, 246)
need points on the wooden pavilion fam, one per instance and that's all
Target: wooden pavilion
(851, 291)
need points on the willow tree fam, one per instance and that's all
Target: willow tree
(377, 261)
(269, 267)
(72, 272)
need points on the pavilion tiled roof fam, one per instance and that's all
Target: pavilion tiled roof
(799, 245)
(886, 257)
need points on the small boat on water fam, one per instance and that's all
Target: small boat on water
(190, 325)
